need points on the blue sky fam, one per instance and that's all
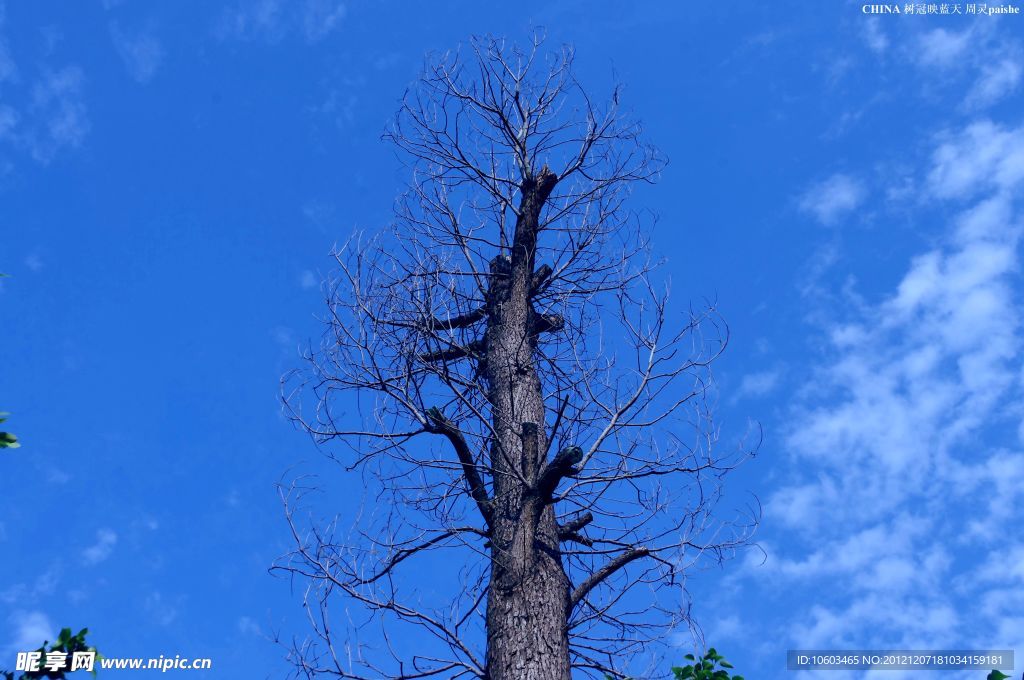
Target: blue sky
(848, 187)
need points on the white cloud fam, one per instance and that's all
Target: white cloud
(321, 17)
(876, 39)
(273, 20)
(1000, 481)
(898, 442)
(162, 612)
(142, 53)
(248, 626)
(983, 157)
(944, 49)
(726, 628)
(320, 214)
(992, 64)
(58, 113)
(920, 373)
(57, 476)
(106, 539)
(308, 279)
(30, 630)
(146, 522)
(283, 336)
(43, 585)
(995, 82)
(34, 263)
(260, 19)
(8, 70)
(8, 121)
(44, 114)
(757, 384)
(884, 556)
(833, 198)
(931, 624)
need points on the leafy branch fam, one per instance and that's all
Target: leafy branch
(7, 440)
(66, 645)
(704, 668)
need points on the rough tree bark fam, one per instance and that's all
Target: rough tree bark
(528, 406)
(527, 634)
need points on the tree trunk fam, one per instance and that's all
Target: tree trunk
(527, 636)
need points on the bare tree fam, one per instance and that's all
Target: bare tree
(534, 429)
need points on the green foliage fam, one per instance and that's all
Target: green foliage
(7, 440)
(997, 675)
(704, 668)
(66, 643)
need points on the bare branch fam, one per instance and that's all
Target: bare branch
(515, 309)
(604, 572)
(441, 425)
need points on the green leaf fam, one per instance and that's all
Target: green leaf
(997, 675)
(690, 657)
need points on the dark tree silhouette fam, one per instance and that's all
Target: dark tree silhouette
(508, 377)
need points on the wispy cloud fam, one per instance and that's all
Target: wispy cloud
(874, 36)
(262, 19)
(995, 82)
(8, 122)
(43, 585)
(321, 17)
(41, 115)
(944, 48)
(757, 384)
(283, 336)
(58, 113)
(141, 52)
(34, 263)
(992, 63)
(984, 157)
(248, 626)
(106, 539)
(833, 198)
(320, 214)
(899, 445)
(273, 20)
(8, 69)
(162, 612)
